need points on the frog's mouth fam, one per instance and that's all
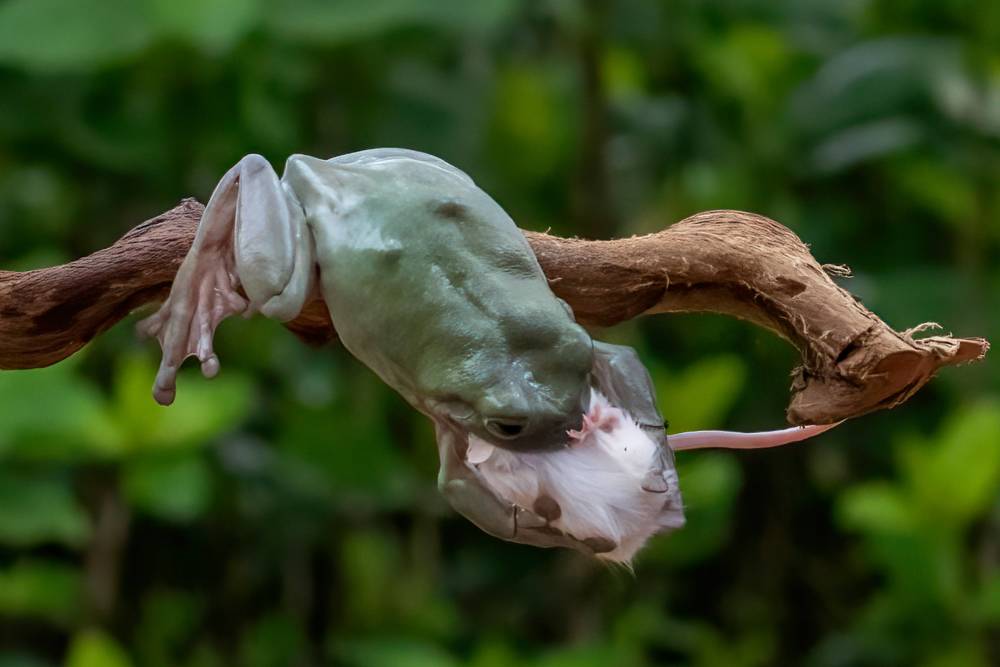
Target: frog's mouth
(610, 487)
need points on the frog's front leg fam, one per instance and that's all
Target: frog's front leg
(252, 237)
(470, 495)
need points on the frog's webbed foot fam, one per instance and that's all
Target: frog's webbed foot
(203, 294)
(201, 298)
(251, 238)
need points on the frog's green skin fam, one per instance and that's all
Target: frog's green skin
(430, 283)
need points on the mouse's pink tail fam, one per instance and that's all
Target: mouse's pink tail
(736, 440)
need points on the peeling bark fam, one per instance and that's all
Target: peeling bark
(729, 262)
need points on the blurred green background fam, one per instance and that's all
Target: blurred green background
(286, 513)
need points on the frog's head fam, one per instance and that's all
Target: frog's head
(500, 357)
(611, 487)
(524, 398)
(522, 383)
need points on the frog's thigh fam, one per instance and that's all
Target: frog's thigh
(272, 244)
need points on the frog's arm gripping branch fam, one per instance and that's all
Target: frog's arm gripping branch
(729, 262)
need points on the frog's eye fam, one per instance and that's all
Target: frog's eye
(506, 428)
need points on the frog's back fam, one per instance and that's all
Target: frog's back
(427, 279)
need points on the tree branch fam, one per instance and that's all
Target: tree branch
(729, 262)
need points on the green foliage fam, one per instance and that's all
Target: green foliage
(342, 21)
(168, 623)
(204, 411)
(176, 488)
(41, 589)
(93, 648)
(285, 513)
(67, 35)
(702, 394)
(73, 418)
(35, 510)
(915, 530)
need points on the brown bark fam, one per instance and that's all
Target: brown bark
(739, 264)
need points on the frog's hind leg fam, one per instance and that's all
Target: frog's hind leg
(252, 237)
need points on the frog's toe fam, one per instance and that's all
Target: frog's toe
(165, 385)
(210, 366)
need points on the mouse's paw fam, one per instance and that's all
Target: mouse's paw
(598, 418)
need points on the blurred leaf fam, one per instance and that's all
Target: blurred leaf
(710, 648)
(989, 601)
(71, 35)
(914, 528)
(44, 198)
(74, 418)
(94, 648)
(273, 641)
(371, 566)
(21, 660)
(176, 488)
(870, 80)
(203, 409)
(896, 295)
(713, 186)
(493, 653)
(877, 507)
(214, 25)
(623, 73)
(700, 396)
(204, 655)
(940, 188)
(351, 446)
(36, 510)
(167, 624)
(591, 655)
(341, 21)
(867, 141)
(958, 475)
(960, 654)
(534, 121)
(747, 61)
(392, 652)
(41, 589)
